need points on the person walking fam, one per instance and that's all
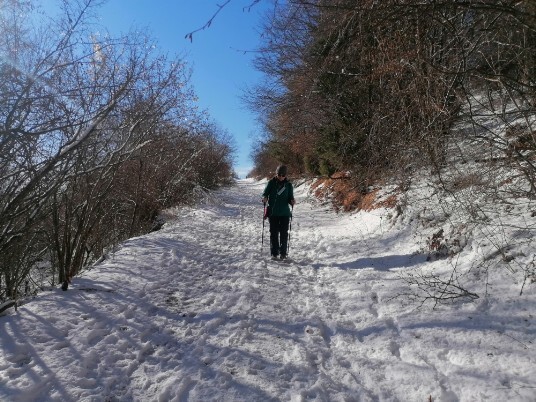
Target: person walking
(279, 194)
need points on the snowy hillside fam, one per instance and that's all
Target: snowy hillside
(195, 312)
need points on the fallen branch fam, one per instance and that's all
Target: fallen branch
(6, 305)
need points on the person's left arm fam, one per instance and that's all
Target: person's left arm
(291, 199)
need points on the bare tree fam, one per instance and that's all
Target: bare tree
(43, 128)
(85, 120)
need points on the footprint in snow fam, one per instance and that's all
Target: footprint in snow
(374, 297)
(394, 347)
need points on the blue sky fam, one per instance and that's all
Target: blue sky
(221, 69)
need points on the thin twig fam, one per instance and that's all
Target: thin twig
(208, 23)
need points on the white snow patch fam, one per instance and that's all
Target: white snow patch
(198, 312)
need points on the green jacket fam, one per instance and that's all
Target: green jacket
(279, 195)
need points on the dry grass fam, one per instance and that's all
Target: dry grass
(346, 197)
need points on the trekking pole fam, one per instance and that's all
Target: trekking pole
(290, 228)
(263, 219)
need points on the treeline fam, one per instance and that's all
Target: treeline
(97, 135)
(376, 88)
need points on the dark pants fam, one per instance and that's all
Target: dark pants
(279, 234)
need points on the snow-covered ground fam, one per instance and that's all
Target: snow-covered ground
(195, 312)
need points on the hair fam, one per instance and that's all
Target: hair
(281, 170)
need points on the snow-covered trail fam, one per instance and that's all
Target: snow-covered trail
(195, 312)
